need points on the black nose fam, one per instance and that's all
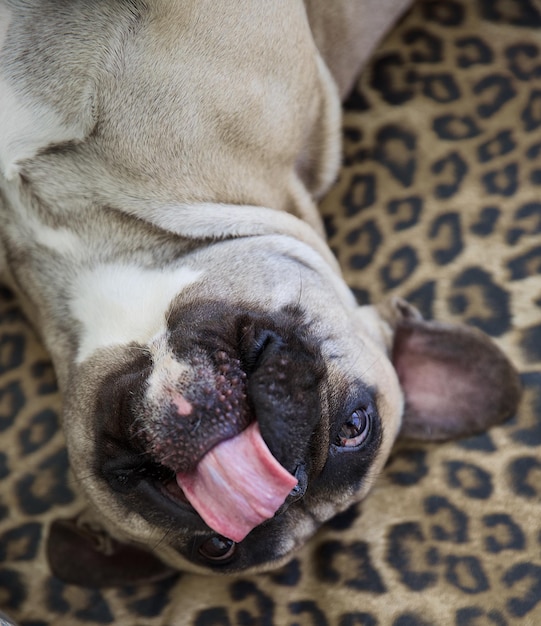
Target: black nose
(254, 343)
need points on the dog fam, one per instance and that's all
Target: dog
(224, 394)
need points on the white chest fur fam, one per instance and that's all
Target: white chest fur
(117, 304)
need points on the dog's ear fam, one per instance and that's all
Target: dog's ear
(455, 380)
(81, 555)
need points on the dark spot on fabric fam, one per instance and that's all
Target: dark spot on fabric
(474, 51)
(455, 128)
(488, 218)
(405, 211)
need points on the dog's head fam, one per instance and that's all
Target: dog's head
(260, 409)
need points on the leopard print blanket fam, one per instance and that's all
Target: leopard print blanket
(439, 202)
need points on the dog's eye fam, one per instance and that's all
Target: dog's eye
(217, 549)
(355, 431)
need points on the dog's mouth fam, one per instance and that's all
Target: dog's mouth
(227, 439)
(222, 466)
(236, 486)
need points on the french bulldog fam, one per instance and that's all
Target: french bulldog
(224, 395)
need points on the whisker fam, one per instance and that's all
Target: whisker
(301, 286)
(162, 539)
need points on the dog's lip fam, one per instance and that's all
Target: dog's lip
(124, 475)
(171, 490)
(233, 521)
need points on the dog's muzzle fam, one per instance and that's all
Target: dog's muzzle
(227, 429)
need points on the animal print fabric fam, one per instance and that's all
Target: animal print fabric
(439, 201)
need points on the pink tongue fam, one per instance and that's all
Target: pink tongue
(237, 485)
